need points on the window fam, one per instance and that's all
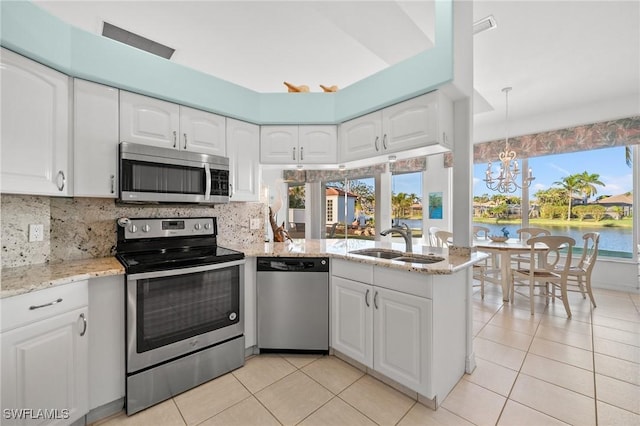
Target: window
(350, 208)
(296, 211)
(572, 194)
(407, 201)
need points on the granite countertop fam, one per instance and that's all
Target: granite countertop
(340, 248)
(24, 279)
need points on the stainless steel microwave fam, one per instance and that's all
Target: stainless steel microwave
(162, 175)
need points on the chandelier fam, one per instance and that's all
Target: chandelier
(506, 181)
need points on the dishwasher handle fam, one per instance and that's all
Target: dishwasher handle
(293, 264)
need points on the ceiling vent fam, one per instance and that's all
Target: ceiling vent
(134, 40)
(484, 24)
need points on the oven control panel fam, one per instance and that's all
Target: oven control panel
(175, 227)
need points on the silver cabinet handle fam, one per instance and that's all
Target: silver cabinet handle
(113, 184)
(294, 153)
(384, 141)
(207, 182)
(64, 180)
(32, 307)
(366, 298)
(185, 141)
(376, 143)
(230, 190)
(84, 320)
(302, 153)
(175, 138)
(375, 300)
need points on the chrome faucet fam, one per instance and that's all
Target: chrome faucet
(406, 234)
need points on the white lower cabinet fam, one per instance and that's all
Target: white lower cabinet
(402, 336)
(386, 330)
(352, 319)
(45, 356)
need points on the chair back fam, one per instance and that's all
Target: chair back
(589, 251)
(525, 233)
(481, 232)
(556, 257)
(432, 236)
(442, 238)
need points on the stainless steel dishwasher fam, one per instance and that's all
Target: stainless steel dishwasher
(293, 304)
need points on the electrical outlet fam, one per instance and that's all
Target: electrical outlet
(36, 232)
(255, 223)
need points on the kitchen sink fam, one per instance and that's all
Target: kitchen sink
(419, 259)
(379, 253)
(398, 255)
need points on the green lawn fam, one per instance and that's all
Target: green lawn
(627, 222)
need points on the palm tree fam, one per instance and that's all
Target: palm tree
(588, 184)
(627, 155)
(571, 184)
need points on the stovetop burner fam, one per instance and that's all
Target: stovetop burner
(146, 245)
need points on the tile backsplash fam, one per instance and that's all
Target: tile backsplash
(80, 228)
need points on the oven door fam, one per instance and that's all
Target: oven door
(176, 312)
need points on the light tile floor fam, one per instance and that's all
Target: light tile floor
(531, 370)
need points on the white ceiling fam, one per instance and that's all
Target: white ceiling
(569, 63)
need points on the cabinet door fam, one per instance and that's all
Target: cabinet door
(318, 144)
(202, 131)
(36, 152)
(361, 137)
(402, 336)
(95, 136)
(352, 319)
(44, 366)
(279, 145)
(410, 124)
(148, 121)
(106, 338)
(243, 146)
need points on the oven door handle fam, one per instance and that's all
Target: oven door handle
(207, 185)
(183, 271)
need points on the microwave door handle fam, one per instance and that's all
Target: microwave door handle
(207, 185)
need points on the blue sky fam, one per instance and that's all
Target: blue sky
(609, 163)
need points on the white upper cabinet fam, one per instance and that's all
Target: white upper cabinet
(243, 147)
(361, 137)
(151, 121)
(202, 131)
(36, 148)
(95, 135)
(298, 144)
(318, 144)
(421, 122)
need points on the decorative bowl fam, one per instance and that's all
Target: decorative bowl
(498, 238)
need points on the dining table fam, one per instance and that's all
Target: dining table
(504, 251)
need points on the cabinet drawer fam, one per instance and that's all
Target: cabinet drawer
(37, 305)
(352, 270)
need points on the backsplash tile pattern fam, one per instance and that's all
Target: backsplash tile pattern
(83, 228)
(18, 211)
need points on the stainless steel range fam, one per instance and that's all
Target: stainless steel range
(184, 306)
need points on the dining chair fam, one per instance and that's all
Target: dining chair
(579, 275)
(547, 270)
(443, 238)
(523, 235)
(432, 236)
(488, 269)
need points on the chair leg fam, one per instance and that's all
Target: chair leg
(565, 300)
(531, 288)
(482, 284)
(593, 300)
(581, 286)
